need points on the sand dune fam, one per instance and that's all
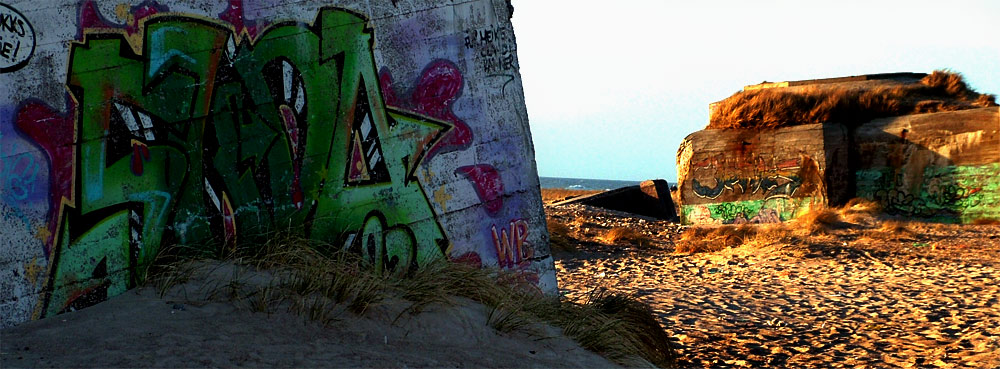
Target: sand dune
(188, 327)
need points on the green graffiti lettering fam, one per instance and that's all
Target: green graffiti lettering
(955, 193)
(205, 134)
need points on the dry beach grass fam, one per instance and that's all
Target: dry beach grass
(477, 317)
(779, 107)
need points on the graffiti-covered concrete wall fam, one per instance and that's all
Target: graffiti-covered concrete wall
(940, 166)
(393, 129)
(745, 176)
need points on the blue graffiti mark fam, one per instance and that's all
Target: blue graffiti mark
(94, 190)
(24, 177)
(158, 55)
(23, 167)
(19, 173)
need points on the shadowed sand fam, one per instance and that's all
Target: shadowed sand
(191, 327)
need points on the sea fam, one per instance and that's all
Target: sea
(583, 183)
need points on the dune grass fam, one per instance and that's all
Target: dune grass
(986, 221)
(321, 283)
(939, 91)
(711, 239)
(623, 235)
(559, 236)
(816, 223)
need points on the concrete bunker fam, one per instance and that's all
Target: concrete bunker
(938, 158)
(149, 123)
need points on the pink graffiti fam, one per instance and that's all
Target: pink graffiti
(435, 93)
(235, 15)
(439, 87)
(291, 126)
(229, 223)
(489, 186)
(55, 133)
(140, 154)
(470, 258)
(91, 18)
(510, 246)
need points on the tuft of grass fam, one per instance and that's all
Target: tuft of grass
(263, 300)
(559, 236)
(860, 211)
(986, 221)
(946, 83)
(515, 314)
(985, 100)
(892, 230)
(939, 91)
(318, 282)
(711, 239)
(768, 235)
(617, 326)
(818, 220)
(860, 205)
(620, 235)
(895, 227)
(649, 337)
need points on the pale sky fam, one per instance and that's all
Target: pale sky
(612, 87)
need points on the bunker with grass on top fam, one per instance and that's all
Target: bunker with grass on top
(922, 145)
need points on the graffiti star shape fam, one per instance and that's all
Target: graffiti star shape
(414, 134)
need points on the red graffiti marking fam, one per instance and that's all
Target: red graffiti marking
(358, 169)
(91, 18)
(55, 133)
(489, 187)
(234, 14)
(140, 153)
(229, 221)
(510, 247)
(470, 258)
(788, 164)
(291, 126)
(439, 87)
(704, 164)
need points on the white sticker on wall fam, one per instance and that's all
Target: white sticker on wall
(17, 39)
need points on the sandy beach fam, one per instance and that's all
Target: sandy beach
(922, 296)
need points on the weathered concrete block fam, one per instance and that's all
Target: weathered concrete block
(939, 166)
(744, 176)
(650, 198)
(378, 127)
(942, 166)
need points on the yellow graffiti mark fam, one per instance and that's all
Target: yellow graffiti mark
(124, 13)
(43, 233)
(32, 270)
(441, 197)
